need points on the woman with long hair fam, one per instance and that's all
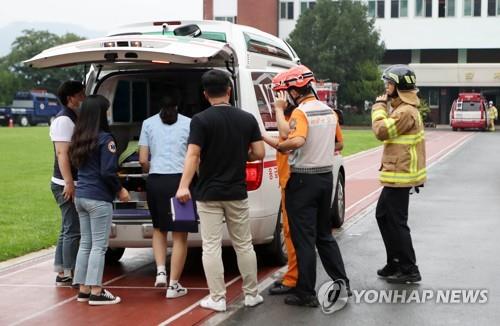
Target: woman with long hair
(93, 152)
(165, 136)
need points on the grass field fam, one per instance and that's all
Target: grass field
(29, 217)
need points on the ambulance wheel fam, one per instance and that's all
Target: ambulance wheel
(24, 121)
(338, 207)
(113, 255)
(274, 253)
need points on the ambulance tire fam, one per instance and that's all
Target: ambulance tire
(113, 255)
(338, 207)
(274, 253)
(24, 121)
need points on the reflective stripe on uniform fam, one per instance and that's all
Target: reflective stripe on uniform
(403, 177)
(378, 114)
(390, 124)
(406, 139)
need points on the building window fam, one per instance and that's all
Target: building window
(424, 8)
(493, 7)
(286, 10)
(376, 8)
(472, 8)
(430, 95)
(392, 57)
(446, 8)
(226, 19)
(483, 55)
(399, 8)
(304, 5)
(439, 56)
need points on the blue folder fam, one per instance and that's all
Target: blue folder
(183, 212)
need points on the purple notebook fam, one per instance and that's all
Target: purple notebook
(183, 212)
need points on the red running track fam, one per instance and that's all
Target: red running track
(28, 295)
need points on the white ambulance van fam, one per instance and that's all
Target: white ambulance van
(135, 64)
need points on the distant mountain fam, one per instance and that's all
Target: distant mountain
(9, 32)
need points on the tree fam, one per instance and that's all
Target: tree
(14, 75)
(338, 42)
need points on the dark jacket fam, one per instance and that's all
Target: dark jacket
(97, 177)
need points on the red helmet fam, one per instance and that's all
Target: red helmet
(298, 76)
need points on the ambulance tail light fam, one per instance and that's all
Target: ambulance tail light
(254, 172)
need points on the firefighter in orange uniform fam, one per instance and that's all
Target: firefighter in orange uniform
(309, 186)
(283, 111)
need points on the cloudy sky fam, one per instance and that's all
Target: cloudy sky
(97, 14)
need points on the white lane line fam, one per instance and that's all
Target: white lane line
(194, 305)
(363, 153)
(458, 144)
(219, 318)
(373, 166)
(178, 315)
(73, 298)
(23, 269)
(107, 287)
(362, 199)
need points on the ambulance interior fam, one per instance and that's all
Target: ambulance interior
(134, 97)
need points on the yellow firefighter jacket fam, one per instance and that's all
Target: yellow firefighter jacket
(403, 159)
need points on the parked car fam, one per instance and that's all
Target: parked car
(30, 108)
(469, 111)
(134, 65)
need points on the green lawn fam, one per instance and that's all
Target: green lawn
(29, 217)
(358, 140)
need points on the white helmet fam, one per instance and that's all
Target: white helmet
(490, 102)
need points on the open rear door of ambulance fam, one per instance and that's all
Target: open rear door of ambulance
(137, 49)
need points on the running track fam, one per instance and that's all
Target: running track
(28, 295)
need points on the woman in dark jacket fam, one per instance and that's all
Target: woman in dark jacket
(93, 152)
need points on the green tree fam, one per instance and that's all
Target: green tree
(338, 42)
(14, 75)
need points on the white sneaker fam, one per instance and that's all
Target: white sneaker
(251, 301)
(161, 280)
(175, 291)
(209, 303)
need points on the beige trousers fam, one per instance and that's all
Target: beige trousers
(236, 214)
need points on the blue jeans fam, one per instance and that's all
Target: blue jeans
(69, 237)
(95, 224)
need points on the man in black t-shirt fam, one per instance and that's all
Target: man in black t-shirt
(222, 139)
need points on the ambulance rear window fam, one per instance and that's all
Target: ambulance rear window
(471, 106)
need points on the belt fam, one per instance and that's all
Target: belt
(316, 170)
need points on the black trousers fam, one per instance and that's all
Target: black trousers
(392, 219)
(307, 200)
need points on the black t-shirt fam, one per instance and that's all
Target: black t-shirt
(224, 134)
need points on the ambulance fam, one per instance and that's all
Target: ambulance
(469, 111)
(134, 65)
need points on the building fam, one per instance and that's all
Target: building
(453, 45)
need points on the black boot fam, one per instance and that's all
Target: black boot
(388, 270)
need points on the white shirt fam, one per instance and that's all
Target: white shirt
(61, 130)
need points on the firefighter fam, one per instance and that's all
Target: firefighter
(283, 109)
(493, 114)
(308, 192)
(402, 168)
